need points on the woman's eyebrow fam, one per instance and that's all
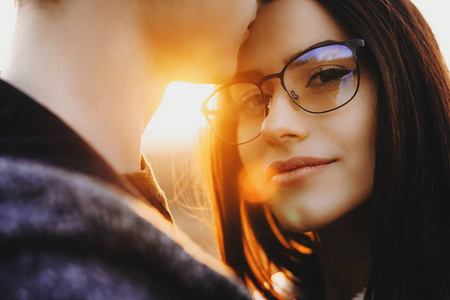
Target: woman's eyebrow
(291, 57)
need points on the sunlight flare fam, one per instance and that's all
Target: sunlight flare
(178, 120)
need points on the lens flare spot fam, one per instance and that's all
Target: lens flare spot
(253, 186)
(293, 217)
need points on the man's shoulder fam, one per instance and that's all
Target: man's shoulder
(68, 223)
(43, 274)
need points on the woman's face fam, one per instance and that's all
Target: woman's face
(324, 162)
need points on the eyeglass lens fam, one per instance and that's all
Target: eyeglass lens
(320, 80)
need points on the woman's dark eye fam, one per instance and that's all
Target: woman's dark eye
(251, 104)
(329, 76)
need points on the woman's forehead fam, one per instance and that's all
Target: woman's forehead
(284, 28)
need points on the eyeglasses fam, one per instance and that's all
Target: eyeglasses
(319, 80)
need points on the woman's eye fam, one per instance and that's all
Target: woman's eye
(251, 104)
(251, 101)
(329, 76)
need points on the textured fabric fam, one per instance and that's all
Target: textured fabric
(29, 130)
(144, 181)
(65, 235)
(71, 228)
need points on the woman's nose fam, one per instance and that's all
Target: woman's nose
(285, 121)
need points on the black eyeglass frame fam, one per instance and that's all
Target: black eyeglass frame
(353, 45)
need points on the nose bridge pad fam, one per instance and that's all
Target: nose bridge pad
(294, 101)
(294, 95)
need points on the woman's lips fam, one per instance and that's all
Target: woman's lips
(295, 170)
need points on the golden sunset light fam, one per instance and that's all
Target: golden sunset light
(176, 124)
(171, 138)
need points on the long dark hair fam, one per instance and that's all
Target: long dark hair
(411, 191)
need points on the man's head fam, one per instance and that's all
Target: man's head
(200, 38)
(190, 40)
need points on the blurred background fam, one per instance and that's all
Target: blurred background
(170, 140)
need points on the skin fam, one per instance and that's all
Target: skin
(332, 201)
(209, 33)
(104, 65)
(345, 136)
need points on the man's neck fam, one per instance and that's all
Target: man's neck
(90, 70)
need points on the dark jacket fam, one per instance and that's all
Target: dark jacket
(68, 232)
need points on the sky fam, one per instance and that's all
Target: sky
(182, 101)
